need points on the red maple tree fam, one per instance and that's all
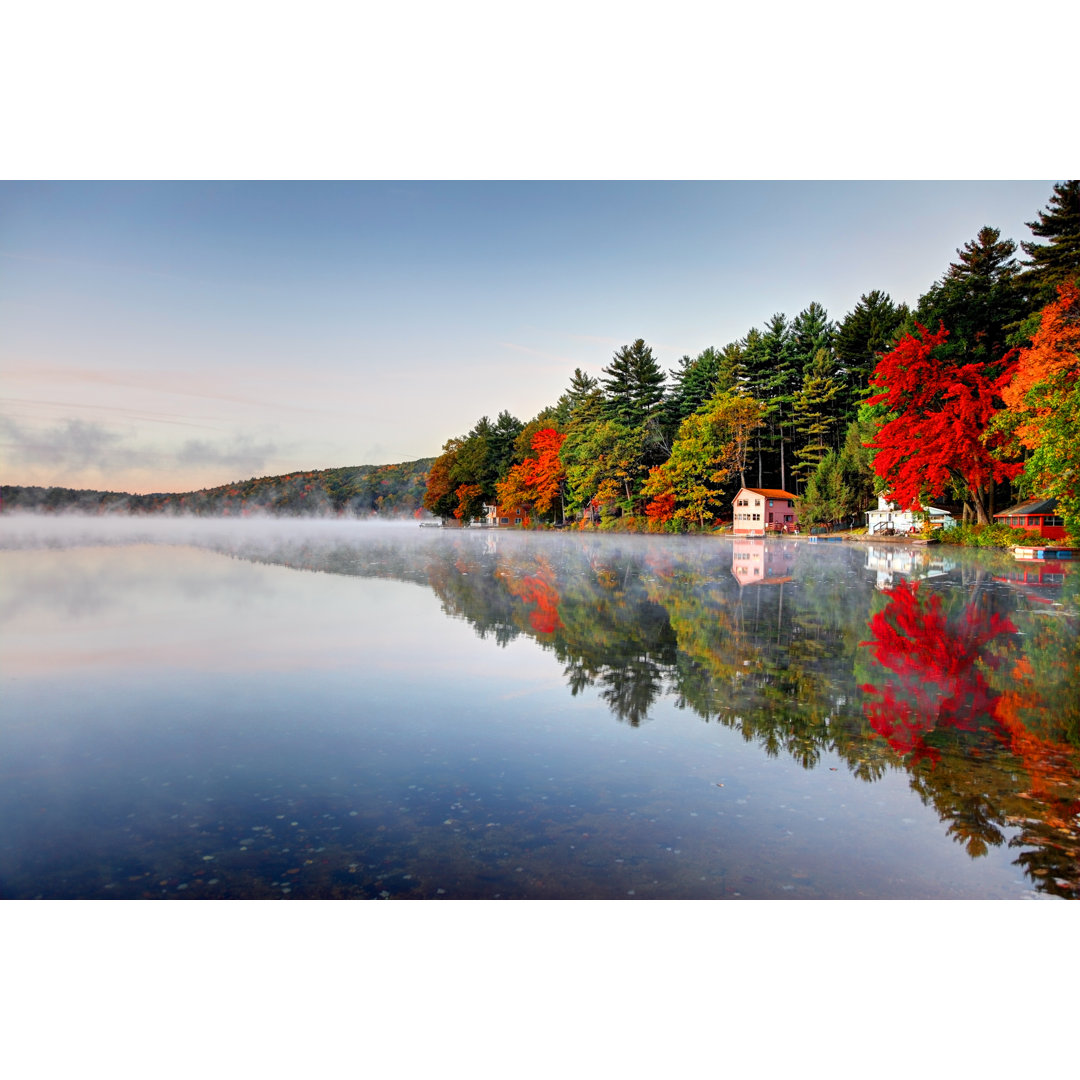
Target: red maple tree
(940, 428)
(537, 481)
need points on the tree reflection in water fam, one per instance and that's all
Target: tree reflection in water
(935, 669)
(956, 690)
(967, 685)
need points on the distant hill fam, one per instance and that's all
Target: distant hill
(357, 491)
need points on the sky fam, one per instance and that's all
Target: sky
(169, 336)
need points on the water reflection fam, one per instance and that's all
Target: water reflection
(972, 689)
(943, 669)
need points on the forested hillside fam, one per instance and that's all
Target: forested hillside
(359, 491)
(971, 397)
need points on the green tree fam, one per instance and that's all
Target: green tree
(755, 361)
(711, 447)
(604, 462)
(863, 334)
(1059, 260)
(633, 386)
(486, 455)
(857, 458)
(827, 498)
(583, 394)
(811, 331)
(781, 385)
(979, 299)
(691, 385)
(814, 415)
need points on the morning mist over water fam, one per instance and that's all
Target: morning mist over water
(318, 709)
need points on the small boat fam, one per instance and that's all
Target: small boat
(1030, 554)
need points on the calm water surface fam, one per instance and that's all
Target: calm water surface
(331, 710)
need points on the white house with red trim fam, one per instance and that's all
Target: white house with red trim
(757, 511)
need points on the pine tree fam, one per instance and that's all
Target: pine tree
(634, 395)
(861, 337)
(583, 392)
(781, 385)
(811, 331)
(814, 418)
(828, 498)
(756, 365)
(692, 384)
(1059, 260)
(980, 299)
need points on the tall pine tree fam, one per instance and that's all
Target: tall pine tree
(634, 385)
(1059, 260)
(861, 337)
(980, 299)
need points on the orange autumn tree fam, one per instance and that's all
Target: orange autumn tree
(1043, 399)
(537, 481)
(470, 499)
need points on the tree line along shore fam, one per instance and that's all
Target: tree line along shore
(970, 397)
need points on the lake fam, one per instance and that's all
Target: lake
(325, 709)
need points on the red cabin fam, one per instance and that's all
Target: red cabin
(1038, 516)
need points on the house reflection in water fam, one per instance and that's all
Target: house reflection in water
(762, 562)
(892, 563)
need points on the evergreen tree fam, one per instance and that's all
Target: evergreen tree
(634, 385)
(979, 300)
(756, 366)
(501, 443)
(485, 456)
(1059, 260)
(827, 499)
(692, 384)
(731, 373)
(814, 417)
(861, 337)
(583, 392)
(857, 458)
(811, 331)
(781, 384)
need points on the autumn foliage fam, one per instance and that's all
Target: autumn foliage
(940, 426)
(936, 669)
(537, 481)
(1052, 358)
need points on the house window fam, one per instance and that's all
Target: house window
(517, 521)
(757, 517)
(504, 521)
(757, 502)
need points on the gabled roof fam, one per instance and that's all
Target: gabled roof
(1032, 506)
(770, 493)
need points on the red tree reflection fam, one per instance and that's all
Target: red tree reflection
(537, 591)
(937, 669)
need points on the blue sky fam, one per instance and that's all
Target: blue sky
(169, 336)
